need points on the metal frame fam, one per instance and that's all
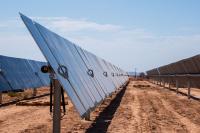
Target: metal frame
(174, 80)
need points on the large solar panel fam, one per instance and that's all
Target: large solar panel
(182, 71)
(16, 73)
(86, 81)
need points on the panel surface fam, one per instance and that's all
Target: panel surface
(21, 74)
(182, 71)
(84, 83)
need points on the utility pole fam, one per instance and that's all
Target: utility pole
(135, 72)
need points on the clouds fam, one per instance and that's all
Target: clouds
(19, 45)
(2, 25)
(126, 47)
(69, 25)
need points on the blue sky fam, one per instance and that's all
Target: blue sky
(132, 34)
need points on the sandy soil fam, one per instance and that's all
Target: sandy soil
(11, 96)
(141, 107)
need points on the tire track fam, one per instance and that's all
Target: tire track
(189, 109)
(192, 127)
(156, 117)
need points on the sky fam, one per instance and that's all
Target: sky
(141, 34)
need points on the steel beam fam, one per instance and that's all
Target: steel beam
(56, 105)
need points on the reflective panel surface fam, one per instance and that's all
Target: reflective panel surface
(85, 83)
(16, 73)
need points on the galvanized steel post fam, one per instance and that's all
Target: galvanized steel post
(160, 82)
(56, 104)
(87, 117)
(169, 85)
(163, 83)
(169, 81)
(34, 91)
(1, 97)
(188, 85)
(177, 86)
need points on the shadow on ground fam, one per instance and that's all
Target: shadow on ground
(102, 122)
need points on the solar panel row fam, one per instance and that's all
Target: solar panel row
(183, 70)
(16, 73)
(86, 78)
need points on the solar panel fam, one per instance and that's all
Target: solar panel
(4, 84)
(21, 74)
(82, 74)
(184, 71)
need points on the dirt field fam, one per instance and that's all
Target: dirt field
(12, 96)
(141, 107)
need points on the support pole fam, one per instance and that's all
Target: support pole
(177, 86)
(188, 89)
(34, 92)
(169, 84)
(56, 87)
(57, 103)
(63, 100)
(87, 118)
(51, 95)
(1, 97)
(163, 83)
(160, 82)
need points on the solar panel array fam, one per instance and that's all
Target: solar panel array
(16, 73)
(86, 78)
(183, 70)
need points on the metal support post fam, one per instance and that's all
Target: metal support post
(87, 117)
(188, 89)
(34, 91)
(160, 82)
(169, 84)
(1, 97)
(56, 88)
(177, 86)
(163, 83)
(56, 105)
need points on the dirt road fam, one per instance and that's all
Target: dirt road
(149, 108)
(141, 107)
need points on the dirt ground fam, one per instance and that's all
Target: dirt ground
(140, 107)
(12, 96)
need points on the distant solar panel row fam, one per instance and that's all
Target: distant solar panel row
(18, 73)
(89, 79)
(186, 69)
